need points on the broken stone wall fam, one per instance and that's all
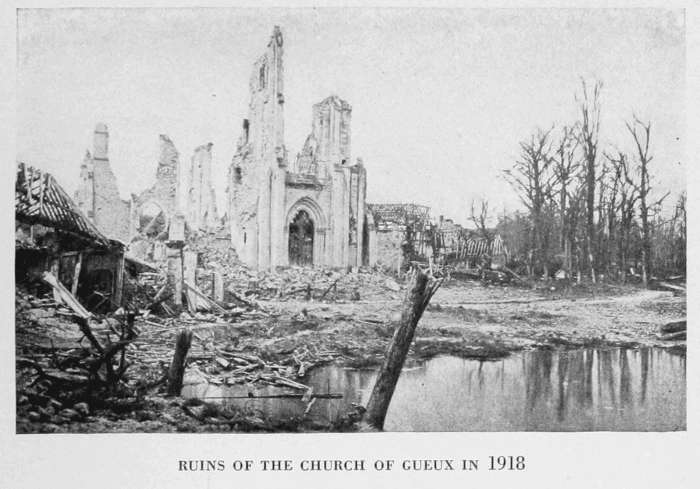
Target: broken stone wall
(98, 194)
(389, 253)
(165, 192)
(201, 200)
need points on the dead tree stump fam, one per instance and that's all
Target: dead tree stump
(177, 367)
(421, 288)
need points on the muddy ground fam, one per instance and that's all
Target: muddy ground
(288, 338)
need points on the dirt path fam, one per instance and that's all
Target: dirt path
(530, 321)
(472, 320)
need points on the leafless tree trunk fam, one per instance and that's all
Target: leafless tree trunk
(620, 211)
(566, 165)
(532, 177)
(641, 133)
(481, 220)
(589, 104)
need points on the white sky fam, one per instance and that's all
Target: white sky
(440, 97)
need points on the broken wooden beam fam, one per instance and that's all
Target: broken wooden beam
(671, 287)
(418, 294)
(76, 274)
(674, 326)
(177, 367)
(677, 336)
(65, 296)
(206, 299)
(252, 395)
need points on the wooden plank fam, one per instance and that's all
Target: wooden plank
(41, 188)
(28, 184)
(65, 296)
(675, 288)
(119, 282)
(76, 274)
(213, 304)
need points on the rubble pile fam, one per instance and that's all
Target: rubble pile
(77, 372)
(64, 361)
(139, 291)
(289, 283)
(314, 284)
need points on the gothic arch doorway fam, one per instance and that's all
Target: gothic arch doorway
(301, 239)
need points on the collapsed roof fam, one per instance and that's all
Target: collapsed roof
(39, 199)
(399, 213)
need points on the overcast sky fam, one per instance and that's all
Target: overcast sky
(440, 97)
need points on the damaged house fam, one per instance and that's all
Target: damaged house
(399, 233)
(52, 235)
(310, 211)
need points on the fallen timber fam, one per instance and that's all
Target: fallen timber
(420, 290)
(277, 396)
(674, 326)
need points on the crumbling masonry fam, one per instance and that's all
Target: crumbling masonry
(201, 199)
(312, 213)
(98, 194)
(163, 198)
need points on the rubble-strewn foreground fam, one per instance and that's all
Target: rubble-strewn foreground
(289, 324)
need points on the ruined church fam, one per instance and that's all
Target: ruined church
(309, 211)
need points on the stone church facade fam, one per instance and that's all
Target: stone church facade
(310, 211)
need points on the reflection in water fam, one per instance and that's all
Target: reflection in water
(580, 390)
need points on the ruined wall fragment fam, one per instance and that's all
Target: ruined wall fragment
(165, 191)
(98, 194)
(329, 142)
(201, 199)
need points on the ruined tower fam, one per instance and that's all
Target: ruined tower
(331, 128)
(256, 175)
(311, 213)
(98, 194)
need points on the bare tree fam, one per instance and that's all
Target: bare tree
(566, 166)
(480, 220)
(641, 133)
(681, 225)
(533, 179)
(589, 105)
(620, 209)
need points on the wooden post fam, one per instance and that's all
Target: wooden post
(218, 286)
(175, 275)
(76, 274)
(418, 294)
(189, 267)
(118, 282)
(177, 367)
